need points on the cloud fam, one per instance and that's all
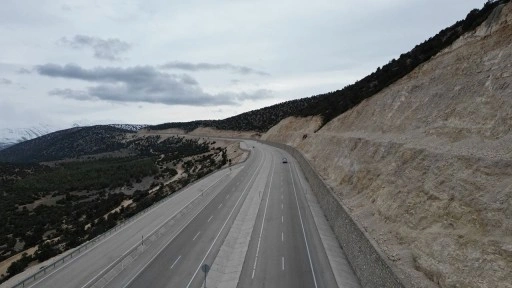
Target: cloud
(23, 71)
(4, 81)
(71, 94)
(243, 70)
(141, 84)
(106, 49)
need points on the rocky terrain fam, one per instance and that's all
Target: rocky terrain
(425, 166)
(419, 151)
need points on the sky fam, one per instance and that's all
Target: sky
(155, 61)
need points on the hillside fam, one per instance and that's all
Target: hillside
(334, 103)
(69, 143)
(425, 165)
(48, 208)
(11, 136)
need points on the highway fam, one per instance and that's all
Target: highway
(167, 246)
(285, 249)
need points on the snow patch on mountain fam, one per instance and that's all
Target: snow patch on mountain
(11, 136)
(130, 127)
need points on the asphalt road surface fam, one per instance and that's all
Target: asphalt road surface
(285, 249)
(187, 231)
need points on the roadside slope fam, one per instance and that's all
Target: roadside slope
(425, 166)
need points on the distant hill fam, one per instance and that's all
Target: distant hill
(335, 103)
(11, 136)
(69, 143)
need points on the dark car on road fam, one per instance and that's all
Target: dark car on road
(285, 160)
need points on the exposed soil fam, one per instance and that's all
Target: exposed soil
(425, 166)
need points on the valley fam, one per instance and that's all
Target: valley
(400, 179)
(57, 205)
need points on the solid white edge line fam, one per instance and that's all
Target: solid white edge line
(181, 229)
(303, 231)
(226, 222)
(115, 233)
(263, 221)
(160, 226)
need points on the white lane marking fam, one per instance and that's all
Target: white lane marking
(122, 229)
(282, 219)
(220, 205)
(226, 222)
(303, 231)
(282, 237)
(210, 218)
(196, 235)
(282, 262)
(151, 233)
(161, 249)
(175, 262)
(263, 221)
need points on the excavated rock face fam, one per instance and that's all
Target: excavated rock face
(425, 166)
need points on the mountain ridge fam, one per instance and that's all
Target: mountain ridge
(68, 143)
(332, 104)
(12, 136)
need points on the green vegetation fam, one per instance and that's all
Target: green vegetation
(58, 208)
(87, 175)
(69, 143)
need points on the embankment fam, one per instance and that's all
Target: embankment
(425, 166)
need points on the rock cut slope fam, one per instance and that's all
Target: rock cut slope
(425, 166)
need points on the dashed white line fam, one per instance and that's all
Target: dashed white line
(282, 262)
(155, 255)
(115, 233)
(210, 218)
(220, 205)
(224, 225)
(281, 205)
(282, 237)
(196, 235)
(175, 262)
(263, 222)
(303, 230)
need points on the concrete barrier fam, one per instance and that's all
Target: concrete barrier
(371, 266)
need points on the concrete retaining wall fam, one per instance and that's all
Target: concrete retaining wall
(366, 259)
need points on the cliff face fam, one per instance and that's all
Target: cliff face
(425, 166)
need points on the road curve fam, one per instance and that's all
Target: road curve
(188, 230)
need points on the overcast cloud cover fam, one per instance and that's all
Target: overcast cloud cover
(149, 61)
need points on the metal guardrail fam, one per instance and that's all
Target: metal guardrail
(83, 247)
(76, 251)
